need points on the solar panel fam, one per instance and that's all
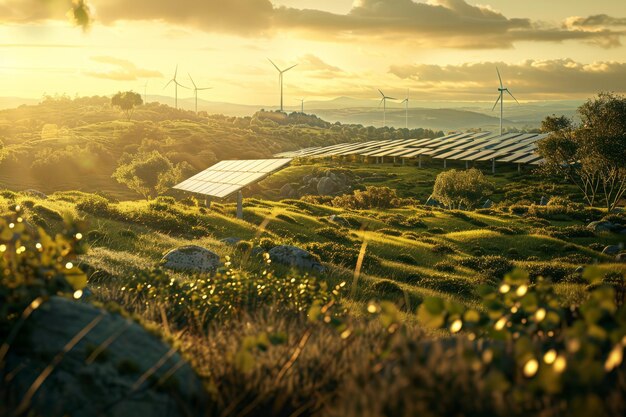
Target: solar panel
(228, 177)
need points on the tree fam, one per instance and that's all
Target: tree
(592, 156)
(555, 123)
(148, 173)
(127, 101)
(456, 189)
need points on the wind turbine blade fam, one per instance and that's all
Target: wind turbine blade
(381, 102)
(204, 88)
(500, 78)
(175, 72)
(277, 69)
(381, 93)
(180, 85)
(507, 90)
(391, 98)
(194, 84)
(289, 68)
(496, 103)
(167, 84)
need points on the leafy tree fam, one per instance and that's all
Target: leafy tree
(555, 123)
(456, 189)
(592, 155)
(127, 101)
(148, 173)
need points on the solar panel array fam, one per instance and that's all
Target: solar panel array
(228, 177)
(476, 146)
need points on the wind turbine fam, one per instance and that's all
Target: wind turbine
(176, 85)
(301, 100)
(406, 109)
(502, 89)
(384, 102)
(196, 89)
(280, 80)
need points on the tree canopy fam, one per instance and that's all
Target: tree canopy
(456, 189)
(127, 101)
(591, 155)
(148, 173)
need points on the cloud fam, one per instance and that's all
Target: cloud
(317, 67)
(125, 71)
(440, 23)
(598, 20)
(531, 78)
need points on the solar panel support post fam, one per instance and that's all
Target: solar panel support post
(207, 202)
(519, 168)
(419, 161)
(445, 163)
(239, 205)
(493, 165)
(466, 164)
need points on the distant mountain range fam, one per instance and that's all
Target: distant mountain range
(437, 115)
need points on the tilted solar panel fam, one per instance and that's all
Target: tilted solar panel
(228, 177)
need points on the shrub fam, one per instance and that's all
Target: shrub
(335, 234)
(492, 266)
(443, 248)
(436, 231)
(94, 204)
(555, 271)
(341, 254)
(128, 234)
(505, 230)
(449, 285)
(445, 266)
(46, 212)
(287, 218)
(456, 189)
(406, 259)
(371, 198)
(387, 288)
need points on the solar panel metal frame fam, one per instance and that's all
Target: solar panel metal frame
(227, 177)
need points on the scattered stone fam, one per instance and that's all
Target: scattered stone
(91, 383)
(337, 219)
(544, 201)
(621, 257)
(488, 204)
(327, 186)
(191, 258)
(602, 226)
(36, 194)
(611, 250)
(230, 241)
(295, 257)
(286, 190)
(431, 202)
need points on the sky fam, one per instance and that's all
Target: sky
(438, 50)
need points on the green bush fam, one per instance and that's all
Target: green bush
(341, 254)
(555, 271)
(445, 266)
(406, 259)
(456, 189)
(492, 266)
(390, 232)
(443, 248)
(46, 213)
(371, 198)
(334, 234)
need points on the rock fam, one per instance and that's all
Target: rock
(36, 193)
(488, 204)
(335, 218)
(601, 226)
(544, 201)
(431, 202)
(306, 179)
(621, 257)
(230, 241)
(191, 258)
(326, 186)
(109, 383)
(286, 190)
(611, 250)
(295, 257)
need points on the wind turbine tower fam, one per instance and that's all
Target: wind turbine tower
(501, 90)
(196, 89)
(301, 100)
(384, 103)
(406, 110)
(280, 80)
(176, 85)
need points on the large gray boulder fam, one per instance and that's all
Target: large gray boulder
(337, 219)
(230, 241)
(191, 258)
(602, 226)
(286, 190)
(544, 201)
(295, 257)
(327, 186)
(116, 368)
(431, 202)
(611, 250)
(36, 194)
